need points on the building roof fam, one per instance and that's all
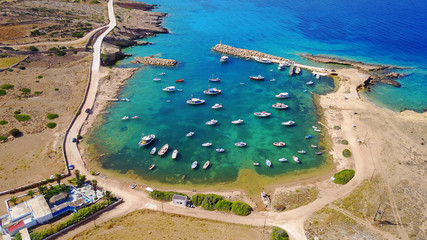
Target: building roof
(16, 226)
(39, 206)
(179, 197)
(25, 235)
(58, 197)
(19, 211)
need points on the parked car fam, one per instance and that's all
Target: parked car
(87, 110)
(133, 186)
(150, 189)
(70, 166)
(74, 139)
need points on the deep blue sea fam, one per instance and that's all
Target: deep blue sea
(387, 32)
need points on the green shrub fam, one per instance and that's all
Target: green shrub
(60, 53)
(344, 176)
(39, 76)
(223, 205)
(15, 132)
(279, 234)
(241, 208)
(18, 236)
(51, 125)
(164, 196)
(3, 122)
(25, 90)
(38, 92)
(7, 86)
(34, 49)
(3, 55)
(346, 153)
(55, 190)
(197, 199)
(344, 142)
(2, 92)
(52, 116)
(77, 34)
(22, 67)
(22, 117)
(210, 201)
(10, 70)
(3, 138)
(17, 112)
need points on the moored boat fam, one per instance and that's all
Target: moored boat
(220, 150)
(195, 101)
(262, 114)
(212, 91)
(161, 74)
(313, 146)
(308, 137)
(207, 144)
(217, 106)
(157, 79)
(180, 80)
(280, 106)
(206, 165)
(125, 118)
(214, 79)
(189, 134)
(283, 160)
(256, 164)
(262, 60)
(279, 144)
(211, 122)
(295, 158)
(291, 71)
(282, 95)
(238, 121)
(163, 150)
(145, 140)
(288, 123)
(309, 83)
(301, 151)
(153, 150)
(297, 70)
(135, 117)
(169, 89)
(240, 144)
(259, 77)
(174, 154)
(318, 153)
(194, 165)
(223, 59)
(151, 167)
(317, 76)
(268, 162)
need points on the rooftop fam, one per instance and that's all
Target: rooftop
(179, 197)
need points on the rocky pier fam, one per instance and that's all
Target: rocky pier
(247, 54)
(155, 61)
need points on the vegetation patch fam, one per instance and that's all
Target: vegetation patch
(55, 190)
(25, 90)
(279, 234)
(8, 62)
(241, 208)
(38, 92)
(3, 138)
(7, 86)
(294, 199)
(213, 202)
(344, 142)
(344, 176)
(2, 92)
(22, 117)
(165, 196)
(33, 48)
(51, 125)
(3, 122)
(15, 132)
(52, 116)
(346, 153)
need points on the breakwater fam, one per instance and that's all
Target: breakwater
(156, 61)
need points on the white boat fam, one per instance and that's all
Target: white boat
(268, 162)
(317, 76)
(259, 77)
(161, 74)
(174, 154)
(145, 140)
(297, 70)
(189, 134)
(262, 114)
(288, 123)
(169, 89)
(208, 144)
(283, 160)
(212, 91)
(214, 79)
(206, 165)
(194, 165)
(163, 150)
(282, 95)
(302, 151)
(211, 122)
(296, 159)
(238, 121)
(273, 80)
(135, 117)
(240, 144)
(280, 106)
(309, 83)
(262, 60)
(223, 59)
(125, 118)
(195, 101)
(153, 151)
(157, 79)
(220, 150)
(318, 153)
(256, 164)
(317, 130)
(217, 106)
(279, 144)
(308, 136)
(313, 146)
(281, 66)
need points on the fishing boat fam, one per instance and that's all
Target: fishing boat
(283, 160)
(125, 100)
(238, 121)
(279, 144)
(169, 89)
(220, 150)
(189, 134)
(256, 163)
(163, 150)
(295, 158)
(317, 76)
(217, 106)
(282, 95)
(125, 118)
(297, 70)
(262, 114)
(268, 162)
(223, 59)
(317, 130)
(153, 151)
(309, 83)
(288, 123)
(206, 165)
(280, 106)
(313, 146)
(151, 167)
(195, 101)
(281, 66)
(180, 80)
(212, 91)
(208, 144)
(214, 79)
(272, 80)
(259, 77)
(302, 151)
(308, 137)
(240, 144)
(211, 122)
(262, 60)
(194, 165)
(318, 153)
(135, 117)
(161, 74)
(174, 154)
(291, 71)
(145, 140)
(156, 79)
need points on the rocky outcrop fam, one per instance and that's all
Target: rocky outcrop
(156, 61)
(395, 75)
(136, 5)
(246, 53)
(109, 59)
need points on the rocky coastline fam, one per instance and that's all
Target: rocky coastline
(155, 61)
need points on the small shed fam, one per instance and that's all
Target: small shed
(179, 200)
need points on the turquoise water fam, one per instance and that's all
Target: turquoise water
(277, 27)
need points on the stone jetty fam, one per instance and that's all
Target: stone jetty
(248, 54)
(155, 61)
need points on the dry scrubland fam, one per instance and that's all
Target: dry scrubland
(145, 224)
